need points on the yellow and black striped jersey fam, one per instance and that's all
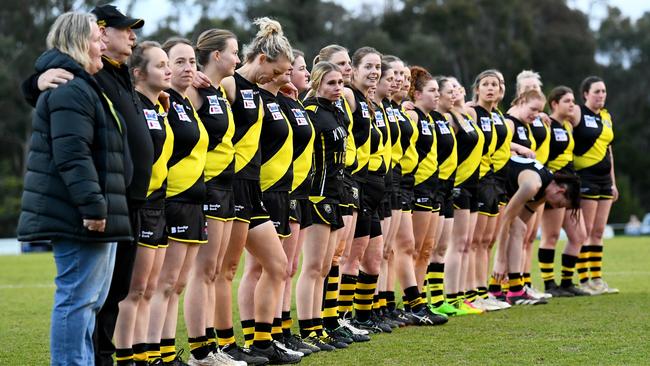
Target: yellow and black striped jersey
(276, 146)
(361, 131)
(409, 135)
(592, 136)
(542, 137)
(378, 138)
(163, 145)
(561, 146)
(216, 115)
(395, 133)
(247, 112)
(303, 145)
(484, 121)
(521, 133)
(503, 136)
(469, 145)
(426, 172)
(446, 143)
(351, 161)
(329, 149)
(185, 181)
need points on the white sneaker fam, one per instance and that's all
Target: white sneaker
(215, 359)
(485, 305)
(346, 324)
(601, 287)
(586, 287)
(287, 350)
(495, 301)
(537, 295)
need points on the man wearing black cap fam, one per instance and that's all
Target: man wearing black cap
(119, 37)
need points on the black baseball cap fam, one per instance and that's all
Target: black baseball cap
(108, 16)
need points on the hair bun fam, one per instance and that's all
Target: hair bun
(268, 27)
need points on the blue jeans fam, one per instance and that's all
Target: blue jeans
(83, 277)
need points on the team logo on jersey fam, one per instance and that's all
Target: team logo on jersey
(249, 98)
(213, 100)
(521, 132)
(339, 105)
(274, 108)
(327, 208)
(467, 125)
(425, 128)
(180, 111)
(486, 124)
(607, 122)
(379, 118)
(299, 114)
(560, 134)
(365, 112)
(497, 118)
(538, 122)
(152, 119)
(590, 121)
(444, 129)
(399, 115)
(390, 114)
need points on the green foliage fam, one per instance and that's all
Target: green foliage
(607, 330)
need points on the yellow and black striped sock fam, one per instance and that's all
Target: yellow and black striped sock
(596, 262)
(318, 326)
(226, 337)
(248, 328)
(453, 298)
(262, 337)
(435, 283)
(124, 356)
(405, 303)
(140, 353)
(546, 257)
(494, 286)
(482, 292)
(582, 265)
(375, 302)
(505, 286)
(515, 282)
(470, 295)
(153, 351)
(212, 338)
(199, 347)
(287, 322)
(276, 330)
(168, 349)
(413, 298)
(330, 311)
(363, 295)
(568, 266)
(390, 300)
(383, 303)
(306, 327)
(526, 278)
(346, 295)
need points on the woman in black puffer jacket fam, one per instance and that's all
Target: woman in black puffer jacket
(74, 191)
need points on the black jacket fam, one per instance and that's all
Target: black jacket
(76, 162)
(116, 83)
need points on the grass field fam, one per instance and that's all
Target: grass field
(601, 330)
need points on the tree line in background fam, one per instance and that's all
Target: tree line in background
(450, 37)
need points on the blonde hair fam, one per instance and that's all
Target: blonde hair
(210, 41)
(527, 96)
(318, 72)
(326, 53)
(270, 41)
(71, 34)
(527, 74)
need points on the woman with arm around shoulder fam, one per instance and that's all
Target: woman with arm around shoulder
(594, 163)
(82, 159)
